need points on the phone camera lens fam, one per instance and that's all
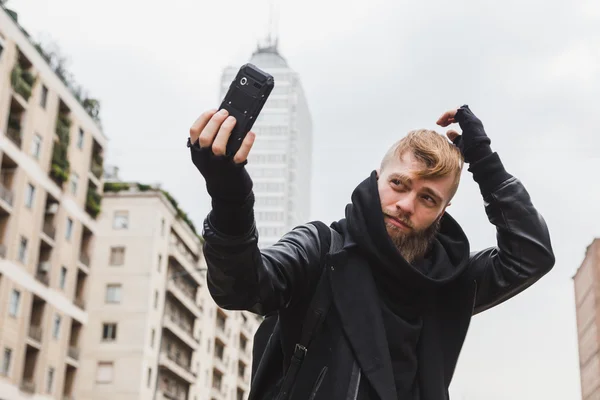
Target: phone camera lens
(244, 80)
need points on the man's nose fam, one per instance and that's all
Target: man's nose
(406, 204)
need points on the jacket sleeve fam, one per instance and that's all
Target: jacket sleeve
(523, 253)
(243, 277)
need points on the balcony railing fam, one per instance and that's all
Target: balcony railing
(183, 324)
(14, 135)
(28, 386)
(79, 302)
(6, 194)
(73, 352)
(43, 277)
(96, 169)
(84, 258)
(35, 332)
(3, 250)
(49, 230)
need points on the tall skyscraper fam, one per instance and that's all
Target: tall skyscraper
(51, 151)
(154, 332)
(587, 303)
(280, 162)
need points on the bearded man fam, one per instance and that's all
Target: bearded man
(402, 282)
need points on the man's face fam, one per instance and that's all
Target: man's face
(412, 206)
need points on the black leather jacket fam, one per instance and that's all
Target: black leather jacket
(278, 278)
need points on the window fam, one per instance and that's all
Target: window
(240, 394)
(29, 195)
(1, 46)
(149, 379)
(69, 230)
(80, 137)
(117, 255)
(74, 183)
(162, 227)
(159, 262)
(241, 369)
(243, 343)
(15, 300)
(44, 98)
(217, 378)
(113, 293)
(63, 277)
(121, 220)
(56, 326)
(155, 299)
(109, 332)
(36, 146)
(50, 381)
(104, 372)
(219, 350)
(152, 335)
(221, 320)
(6, 362)
(23, 250)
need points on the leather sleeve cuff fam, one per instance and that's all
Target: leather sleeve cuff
(232, 219)
(489, 173)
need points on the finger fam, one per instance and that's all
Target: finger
(242, 153)
(447, 118)
(219, 146)
(212, 127)
(452, 135)
(199, 124)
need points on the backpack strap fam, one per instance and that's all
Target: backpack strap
(317, 310)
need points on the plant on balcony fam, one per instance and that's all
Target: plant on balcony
(22, 81)
(115, 186)
(60, 167)
(97, 164)
(93, 201)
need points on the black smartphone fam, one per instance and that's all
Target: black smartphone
(244, 100)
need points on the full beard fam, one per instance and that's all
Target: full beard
(414, 244)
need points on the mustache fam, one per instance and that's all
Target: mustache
(400, 217)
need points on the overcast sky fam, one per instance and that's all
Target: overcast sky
(372, 71)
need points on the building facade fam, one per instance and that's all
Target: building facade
(587, 302)
(154, 332)
(51, 152)
(280, 162)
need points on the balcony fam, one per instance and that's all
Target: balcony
(84, 259)
(181, 330)
(27, 386)
(42, 277)
(35, 333)
(96, 168)
(7, 196)
(49, 230)
(73, 352)
(2, 251)
(21, 78)
(79, 302)
(184, 372)
(184, 295)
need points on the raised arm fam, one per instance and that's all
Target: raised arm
(240, 276)
(523, 253)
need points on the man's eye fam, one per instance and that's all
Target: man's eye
(429, 199)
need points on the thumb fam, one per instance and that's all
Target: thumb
(452, 135)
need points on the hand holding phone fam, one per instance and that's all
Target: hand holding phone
(228, 130)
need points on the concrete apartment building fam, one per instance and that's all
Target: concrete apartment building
(587, 301)
(154, 331)
(50, 186)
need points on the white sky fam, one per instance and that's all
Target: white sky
(372, 71)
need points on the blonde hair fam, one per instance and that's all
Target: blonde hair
(441, 157)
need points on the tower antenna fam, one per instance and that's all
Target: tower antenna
(273, 35)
